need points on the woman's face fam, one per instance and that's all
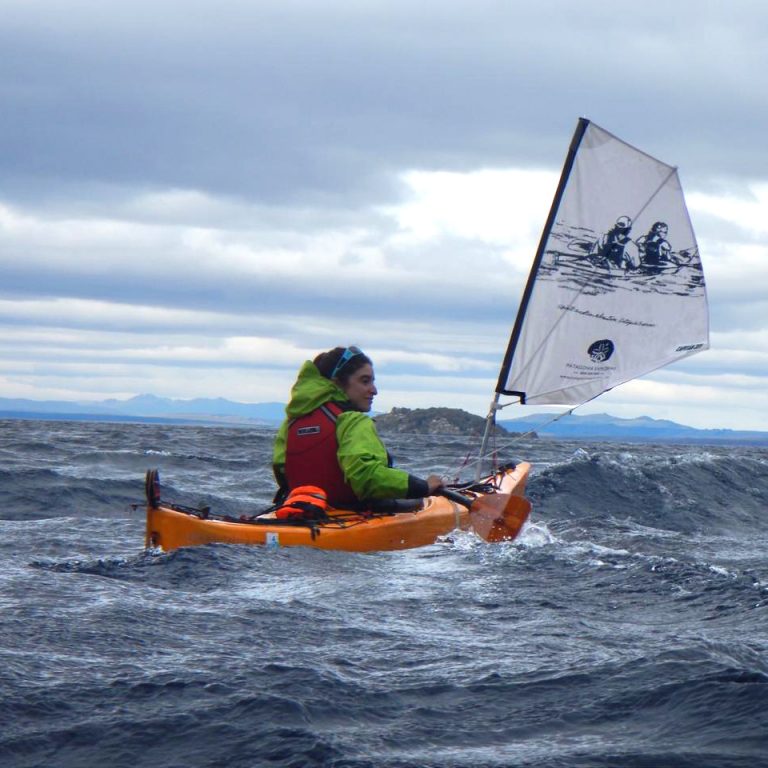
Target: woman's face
(360, 388)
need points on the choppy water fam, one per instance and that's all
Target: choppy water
(627, 626)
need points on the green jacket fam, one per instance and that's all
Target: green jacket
(362, 456)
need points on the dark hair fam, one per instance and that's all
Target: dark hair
(326, 363)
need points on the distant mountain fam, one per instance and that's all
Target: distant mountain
(144, 407)
(604, 427)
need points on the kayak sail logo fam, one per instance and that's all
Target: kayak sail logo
(601, 351)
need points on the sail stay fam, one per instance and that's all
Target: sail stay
(616, 289)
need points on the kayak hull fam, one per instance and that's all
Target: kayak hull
(170, 527)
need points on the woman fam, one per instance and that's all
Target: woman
(327, 440)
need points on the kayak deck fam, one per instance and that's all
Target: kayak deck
(171, 526)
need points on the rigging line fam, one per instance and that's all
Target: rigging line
(518, 437)
(490, 422)
(480, 458)
(468, 460)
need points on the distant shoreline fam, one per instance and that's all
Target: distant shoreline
(756, 440)
(131, 419)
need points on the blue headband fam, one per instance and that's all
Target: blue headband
(346, 356)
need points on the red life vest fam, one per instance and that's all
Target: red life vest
(310, 454)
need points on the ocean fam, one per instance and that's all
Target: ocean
(627, 626)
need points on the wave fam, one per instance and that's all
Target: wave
(687, 493)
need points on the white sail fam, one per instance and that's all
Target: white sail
(617, 288)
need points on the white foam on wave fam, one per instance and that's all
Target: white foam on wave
(536, 534)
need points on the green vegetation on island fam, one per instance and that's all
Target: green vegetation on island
(434, 421)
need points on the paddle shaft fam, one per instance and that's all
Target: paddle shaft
(456, 497)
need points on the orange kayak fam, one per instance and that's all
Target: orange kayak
(419, 524)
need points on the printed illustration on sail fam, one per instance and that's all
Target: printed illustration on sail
(617, 288)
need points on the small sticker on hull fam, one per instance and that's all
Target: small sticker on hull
(273, 540)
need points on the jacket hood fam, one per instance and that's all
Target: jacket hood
(311, 390)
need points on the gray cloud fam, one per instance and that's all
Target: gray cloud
(286, 101)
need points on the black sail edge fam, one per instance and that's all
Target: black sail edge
(578, 135)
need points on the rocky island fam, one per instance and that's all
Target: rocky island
(434, 421)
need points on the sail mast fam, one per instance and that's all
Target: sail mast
(490, 419)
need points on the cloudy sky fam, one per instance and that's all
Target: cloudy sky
(196, 196)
